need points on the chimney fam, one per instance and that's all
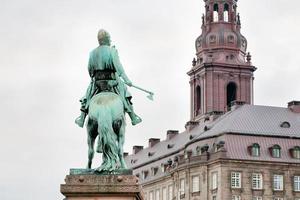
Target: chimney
(136, 149)
(171, 134)
(294, 106)
(153, 141)
(125, 154)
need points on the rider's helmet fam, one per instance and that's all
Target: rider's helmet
(103, 37)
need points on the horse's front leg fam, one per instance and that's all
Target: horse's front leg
(91, 128)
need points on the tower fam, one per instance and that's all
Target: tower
(222, 71)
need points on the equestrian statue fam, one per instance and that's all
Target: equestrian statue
(105, 103)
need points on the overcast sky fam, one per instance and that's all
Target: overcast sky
(44, 48)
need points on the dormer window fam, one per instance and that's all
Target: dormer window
(254, 150)
(295, 152)
(145, 174)
(154, 171)
(275, 151)
(285, 125)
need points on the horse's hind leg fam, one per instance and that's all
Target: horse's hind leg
(92, 134)
(121, 139)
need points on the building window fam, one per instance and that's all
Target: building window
(182, 187)
(255, 150)
(236, 197)
(170, 192)
(276, 151)
(145, 174)
(214, 197)
(278, 182)
(278, 198)
(231, 93)
(198, 100)
(157, 194)
(257, 198)
(216, 13)
(196, 184)
(164, 193)
(151, 197)
(226, 12)
(297, 183)
(295, 152)
(257, 181)
(214, 180)
(235, 180)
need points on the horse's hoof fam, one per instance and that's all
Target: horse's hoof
(136, 120)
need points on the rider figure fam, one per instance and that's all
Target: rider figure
(107, 74)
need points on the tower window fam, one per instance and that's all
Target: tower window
(216, 12)
(231, 93)
(198, 99)
(226, 12)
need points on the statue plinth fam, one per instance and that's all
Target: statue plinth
(88, 186)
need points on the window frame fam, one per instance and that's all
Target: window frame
(170, 192)
(214, 180)
(296, 183)
(281, 183)
(257, 179)
(182, 186)
(164, 193)
(236, 181)
(194, 188)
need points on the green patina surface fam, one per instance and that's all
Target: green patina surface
(105, 103)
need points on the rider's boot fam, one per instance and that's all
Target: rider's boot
(134, 118)
(80, 120)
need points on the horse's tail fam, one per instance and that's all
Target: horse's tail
(107, 137)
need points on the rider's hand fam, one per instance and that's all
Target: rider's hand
(129, 83)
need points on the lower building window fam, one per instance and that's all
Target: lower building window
(151, 197)
(164, 193)
(297, 183)
(214, 198)
(196, 184)
(214, 180)
(157, 194)
(170, 192)
(236, 197)
(257, 181)
(182, 185)
(278, 182)
(278, 198)
(257, 198)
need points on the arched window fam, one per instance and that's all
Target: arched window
(216, 12)
(226, 12)
(198, 99)
(231, 93)
(295, 152)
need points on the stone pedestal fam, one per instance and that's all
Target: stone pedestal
(88, 186)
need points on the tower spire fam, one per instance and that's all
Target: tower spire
(222, 71)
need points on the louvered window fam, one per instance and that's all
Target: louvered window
(235, 180)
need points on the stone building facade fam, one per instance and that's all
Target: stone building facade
(231, 149)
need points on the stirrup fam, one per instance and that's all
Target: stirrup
(79, 121)
(136, 120)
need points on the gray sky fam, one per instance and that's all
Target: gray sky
(44, 47)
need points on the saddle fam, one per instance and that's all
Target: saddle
(105, 80)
